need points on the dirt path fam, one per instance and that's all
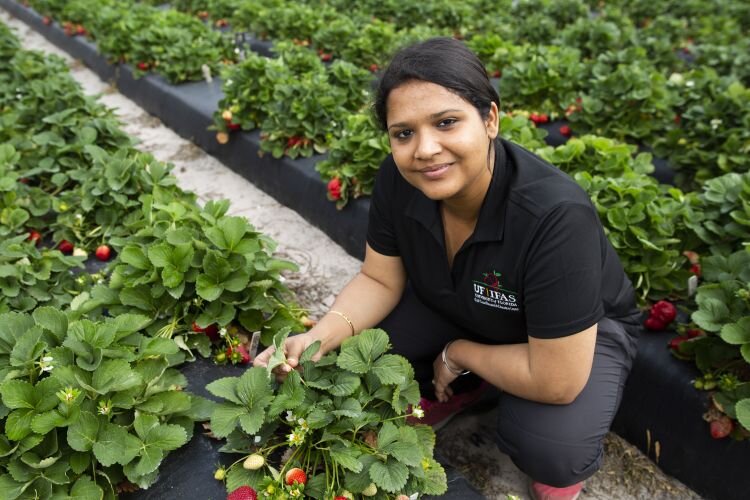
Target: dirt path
(324, 269)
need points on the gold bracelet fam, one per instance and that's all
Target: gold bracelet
(346, 318)
(445, 361)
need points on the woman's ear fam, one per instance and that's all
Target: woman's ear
(493, 121)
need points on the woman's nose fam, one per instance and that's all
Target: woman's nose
(427, 146)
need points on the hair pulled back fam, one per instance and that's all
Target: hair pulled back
(442, 61)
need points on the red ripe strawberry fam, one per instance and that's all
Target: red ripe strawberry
(143, 66)
(65, 247)
(211, 331)
(565, 130)
(293, 141)
(233, 126)
(80, 30)
(221, 23)
(654, 324)
(34, 236)
(497, 73)
(202, 14)
(374, 68)
(103, 253)
(243, 493)
(721, 427)
(675, 342)
(326, 56)
(664, 311)
(295, 475)
(334, 188)
(245, 356)
(46, 20)
(696, 269)
(534, 118)
(694, 332)
(340, 498)
(543, 118)
(23, 180)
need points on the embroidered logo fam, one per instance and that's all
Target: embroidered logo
(489, 292)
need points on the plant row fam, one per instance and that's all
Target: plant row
(92, 400)
(674, 83)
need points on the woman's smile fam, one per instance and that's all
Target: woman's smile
(435, 171)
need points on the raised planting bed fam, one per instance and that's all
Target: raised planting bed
(661, 414)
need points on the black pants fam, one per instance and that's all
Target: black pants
(558, 445)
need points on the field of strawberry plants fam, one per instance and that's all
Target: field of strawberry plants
(112, 278)
(624, 85)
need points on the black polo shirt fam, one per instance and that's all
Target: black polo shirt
(537, 264)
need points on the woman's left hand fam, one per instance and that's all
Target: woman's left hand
(442, 378)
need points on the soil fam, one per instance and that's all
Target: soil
(324, 269)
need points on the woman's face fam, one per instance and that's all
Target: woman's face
(440, 141)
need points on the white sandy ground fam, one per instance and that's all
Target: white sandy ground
(324, 269)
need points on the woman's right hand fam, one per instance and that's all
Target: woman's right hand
(294, 346)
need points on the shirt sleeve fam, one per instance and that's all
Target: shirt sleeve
(563, 273)
(380, 230)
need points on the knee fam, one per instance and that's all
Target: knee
(557, 464)
(550, 461)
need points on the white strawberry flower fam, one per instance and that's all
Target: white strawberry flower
(418, 412)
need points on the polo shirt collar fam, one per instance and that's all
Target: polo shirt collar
(491, 221)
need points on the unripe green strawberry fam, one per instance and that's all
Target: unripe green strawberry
(254, 462)
(220, 474)
(370, 491)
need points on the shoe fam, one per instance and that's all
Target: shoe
(541, 491)
(437, 414)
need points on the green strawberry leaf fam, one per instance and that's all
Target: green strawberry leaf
(114, 375)
(391, 476)
(344, 384)
(737, 333)
(116, 445)
(53, 320)
(390, 370)
(279, 354)
(85, 489)
(225, 418)
(225, 388)
(347, 457)
(18, 394)
(82, 434)
(359, 353)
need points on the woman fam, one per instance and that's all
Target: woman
(509, 273)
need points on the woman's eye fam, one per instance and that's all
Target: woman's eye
(447, 122)
(403, 134)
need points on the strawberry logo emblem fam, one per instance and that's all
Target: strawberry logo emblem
(492, 279)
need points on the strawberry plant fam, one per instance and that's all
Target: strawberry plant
(645, 224)
(338, 424)
(182, 264)
(711, 136)
(542, 78)
(624, 98)
(723, 212)
(722, 352)
(597, 155)
(87, 405)
(30, 277)
(354, 158)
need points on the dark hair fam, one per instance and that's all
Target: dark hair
(442, 61)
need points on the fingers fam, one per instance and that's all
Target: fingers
(262, 358)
